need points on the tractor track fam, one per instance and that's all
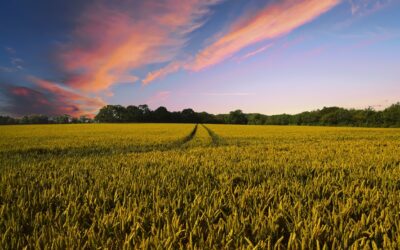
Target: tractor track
(190, 136)
(90, 150)
(216, 139)
(86, 151)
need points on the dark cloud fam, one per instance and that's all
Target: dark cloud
(45, 97)
(22, 100)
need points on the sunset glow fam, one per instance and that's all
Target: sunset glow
(214, 55)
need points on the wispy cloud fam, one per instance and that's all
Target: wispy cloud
(21, 100)
(109, 42)
(15, 63)
(160, 73)
(46, 97)
(159, 97)
(257, 51)
(364, 7)
(273, 21)
(82, 103)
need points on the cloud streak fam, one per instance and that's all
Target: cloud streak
(46, 97)
(110, 42)
(255, 52)
(273, 21)
(159, 97)
(161, 73)
(363, 7)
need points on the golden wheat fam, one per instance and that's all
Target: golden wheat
(172, 186)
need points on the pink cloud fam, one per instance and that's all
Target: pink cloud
(27, 101)
(160, 73)
(110, 42)
(20, 91)
(159, 97)
(257, 51)
(67, 100)
(273, 21)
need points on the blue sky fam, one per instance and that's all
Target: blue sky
(259, 56)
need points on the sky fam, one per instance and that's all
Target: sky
(260, 56)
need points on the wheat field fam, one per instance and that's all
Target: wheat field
(187, 186)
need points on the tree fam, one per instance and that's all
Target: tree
(256, 119)
(391, 115)
(62, 119)
(85, 119)
(146, 112)
(35, 119)
(161, 114)
(134, 114)
(328, 116)
(6, 120)
(205, 117)
(189, 116)
(237, 117)
(111, 113)
(335, 116)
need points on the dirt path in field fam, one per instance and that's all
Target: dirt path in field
(90, 150)
(216, 139)
(182, 143)
(189, 137)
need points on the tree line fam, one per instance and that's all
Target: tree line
(44, 119)
(334, 116)
(328, 116)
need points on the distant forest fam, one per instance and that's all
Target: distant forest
(328, 116)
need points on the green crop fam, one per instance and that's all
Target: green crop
(170, 186)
